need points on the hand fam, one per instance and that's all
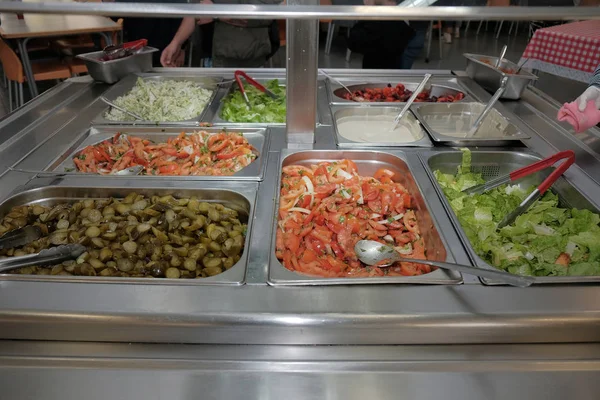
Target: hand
(170, 55)
(591, 94)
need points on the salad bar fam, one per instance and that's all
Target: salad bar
(200, 224)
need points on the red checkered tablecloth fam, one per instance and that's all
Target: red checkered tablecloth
(572, 48)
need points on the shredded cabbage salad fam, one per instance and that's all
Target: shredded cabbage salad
(547, 240)
(162, 101)
(264, 109)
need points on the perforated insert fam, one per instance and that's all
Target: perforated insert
(487, 171)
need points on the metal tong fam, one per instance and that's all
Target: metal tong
(124, 50)
(20, 237)
(54, 255)
(569, 158)
(238, 75)
(411, 100)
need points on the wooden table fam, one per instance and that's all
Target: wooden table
(40, 25)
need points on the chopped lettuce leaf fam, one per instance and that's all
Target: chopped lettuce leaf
(264, 108)
(533, 244)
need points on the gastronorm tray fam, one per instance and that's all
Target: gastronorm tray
(481, 69)
(242, 199)
(438, 87)
(492, 164)
(112, 71)
(257, 137)
(372, 113)
(232, 87)
(124, 86)
(368, 162)
(496, 129)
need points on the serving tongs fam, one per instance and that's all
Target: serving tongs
(51, 256)
(569, 158)
(123, 50)
(238, 75)
(20, 237)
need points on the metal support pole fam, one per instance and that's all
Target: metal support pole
(301, 78)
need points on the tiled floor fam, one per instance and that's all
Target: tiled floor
(561, 89)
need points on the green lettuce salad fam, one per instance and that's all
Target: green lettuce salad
(264, 109)
(547, 240)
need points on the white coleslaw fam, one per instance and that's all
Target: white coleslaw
(162, 101)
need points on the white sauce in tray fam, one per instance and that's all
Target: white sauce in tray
(458, 125)
(378, 129)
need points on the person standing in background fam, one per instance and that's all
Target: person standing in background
(380, 42)
(236, 42)
(158, 31)
(415, 45)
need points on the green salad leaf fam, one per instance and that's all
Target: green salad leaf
(264, 108)
(547, 240)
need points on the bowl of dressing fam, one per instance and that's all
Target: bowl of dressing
(374, 127)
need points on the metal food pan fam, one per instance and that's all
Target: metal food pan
(335, 91)
(492, 164)
(112, 71)
(496, 130)
(232, 87)
(482, 70)
(242, 200)
(124, 87)
(368, 162)
(374, 113)
(257, 137)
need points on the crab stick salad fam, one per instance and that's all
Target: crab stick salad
(326, 208)
(199, 153)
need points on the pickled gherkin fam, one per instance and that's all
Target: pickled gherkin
(138, 236)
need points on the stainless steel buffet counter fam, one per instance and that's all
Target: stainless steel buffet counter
(506, 336)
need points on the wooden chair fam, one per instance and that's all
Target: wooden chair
(42, 71)
(76, 66)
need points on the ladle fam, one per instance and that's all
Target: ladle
(371, 252)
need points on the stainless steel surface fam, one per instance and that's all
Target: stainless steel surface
(371, 252)
(113, 105)
(440, 86)
(496, 129)
(488, 108)
(490, 78)
(51, 256)
(257, 313)
(65, 370)
(302, 65)
(368, 162)
(125, 85)
(49, 193)
(257, 137)
(373, 113)
(20, 237)
(114, 70)
(311, 12)
(491, 164)
(411, 99)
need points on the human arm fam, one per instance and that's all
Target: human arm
(592, 93)
(172, 52)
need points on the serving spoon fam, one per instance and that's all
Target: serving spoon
(371, 252)
(411, 100)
